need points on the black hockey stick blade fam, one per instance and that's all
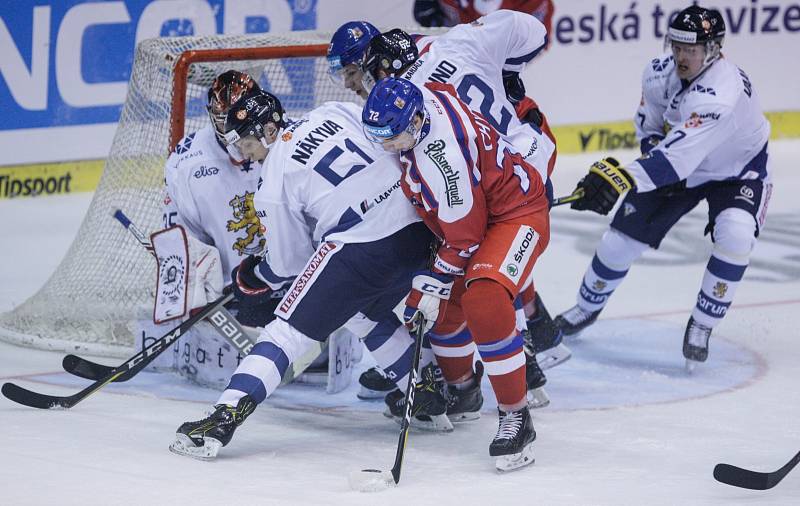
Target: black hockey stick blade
(43, 401)
(131, 367)
(744, 478)
(87, 369)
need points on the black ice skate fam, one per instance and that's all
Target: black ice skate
(695, 343)
(543, 338)
(203, 439)
(513, 443)
(535, 381)
(465, 405)
(430, 404)
(375, 384)
(575, 319)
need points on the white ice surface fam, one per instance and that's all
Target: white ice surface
(626, 425)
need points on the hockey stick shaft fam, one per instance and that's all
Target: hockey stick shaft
(576, 195)
(131, 366)
(410, 389)
(754, 480)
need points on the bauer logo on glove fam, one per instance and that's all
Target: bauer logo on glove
(602, 186)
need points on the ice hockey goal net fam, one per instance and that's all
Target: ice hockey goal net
(104, 284)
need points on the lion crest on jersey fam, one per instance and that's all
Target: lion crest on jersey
(720, 289)
(246, 219)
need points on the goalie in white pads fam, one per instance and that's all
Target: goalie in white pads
(704, 137)
(209, 194)
(339, 226)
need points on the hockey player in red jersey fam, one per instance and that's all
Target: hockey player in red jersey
(489, 207)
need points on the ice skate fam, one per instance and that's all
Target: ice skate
(374, 384)
(575, 319)
(203, 439)
(535, 380)
(513, 443)
(465, 405)
(695, 343)
(542, 331)
(429, 411)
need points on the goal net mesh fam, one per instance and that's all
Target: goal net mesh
(105, 283)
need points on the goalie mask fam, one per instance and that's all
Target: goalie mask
(227, 89)
(257, 117)
(387, 55)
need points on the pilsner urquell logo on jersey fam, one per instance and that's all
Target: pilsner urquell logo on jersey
(435, 151)
(246, 218)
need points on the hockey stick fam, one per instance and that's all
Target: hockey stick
(576, 195)
(743, 478)
(223, 322)
(373, 480)
(130, 367)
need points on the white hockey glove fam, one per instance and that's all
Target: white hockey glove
(430, 292)
(205, 274)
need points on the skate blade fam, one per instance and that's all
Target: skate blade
(370, 480)
(691, 365)
(367, 394)
(437, 423)
(184, 446)
(554, 356)
(468, 416)
(537, 398)
(506, 463)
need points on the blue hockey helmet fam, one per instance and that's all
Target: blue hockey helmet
(388, 116)
(348, 45)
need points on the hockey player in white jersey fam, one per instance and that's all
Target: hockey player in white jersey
(482, 60)
(703, 137)
(338, 224)
(210, 194)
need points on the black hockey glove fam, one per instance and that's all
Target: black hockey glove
(429, 13)
(247, 287)
(515, 88)
(602, 186)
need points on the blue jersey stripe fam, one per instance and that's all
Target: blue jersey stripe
(725, 270)
(604, 272)
(658, 169)
(519, 60)
(250, 385)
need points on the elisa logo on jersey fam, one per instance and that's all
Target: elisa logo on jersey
(435, 151)
(204, 171)
(246, 219)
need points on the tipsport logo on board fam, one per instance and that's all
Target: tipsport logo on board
(67, 62)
